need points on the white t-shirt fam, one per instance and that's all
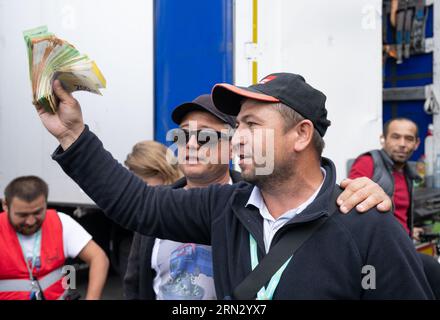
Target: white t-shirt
(183, 271)
(75, 238)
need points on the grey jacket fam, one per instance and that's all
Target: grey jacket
(383, 175)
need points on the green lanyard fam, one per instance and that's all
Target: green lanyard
(266, 293)
(35, 252)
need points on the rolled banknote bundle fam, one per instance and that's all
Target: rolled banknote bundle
(51, 58)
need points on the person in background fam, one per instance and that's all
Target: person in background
(35, 242)
(148, 160)
(389, 168)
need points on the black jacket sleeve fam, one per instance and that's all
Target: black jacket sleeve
(161, 212)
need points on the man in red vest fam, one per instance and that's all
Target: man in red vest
(35, 242)
(389, 168)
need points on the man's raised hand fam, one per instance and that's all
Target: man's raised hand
(67, 123)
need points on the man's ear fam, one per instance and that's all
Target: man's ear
(304, 134)
(417, 144)
(382, 140)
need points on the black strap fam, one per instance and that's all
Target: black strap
(278, 255)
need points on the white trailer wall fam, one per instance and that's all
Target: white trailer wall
(336, 45)
(119, 37)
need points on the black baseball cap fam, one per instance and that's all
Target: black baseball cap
(288, 88)
(202, 103)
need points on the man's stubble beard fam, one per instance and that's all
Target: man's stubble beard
(282, 172)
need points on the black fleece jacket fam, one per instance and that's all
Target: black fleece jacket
(327, 266)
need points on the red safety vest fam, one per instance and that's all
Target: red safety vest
(14, 275)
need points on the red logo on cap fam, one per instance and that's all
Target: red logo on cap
(267, 79)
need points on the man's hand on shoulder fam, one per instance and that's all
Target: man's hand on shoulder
(364, 194)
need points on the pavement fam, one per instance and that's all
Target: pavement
(112, 289)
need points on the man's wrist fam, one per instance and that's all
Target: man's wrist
(70, 137)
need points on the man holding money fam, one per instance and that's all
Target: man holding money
(243, 222)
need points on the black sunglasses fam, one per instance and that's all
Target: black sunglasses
(203, 136)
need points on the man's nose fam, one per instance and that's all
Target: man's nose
(31, 220)
(238, 138)
(402, 142)
(192, 142)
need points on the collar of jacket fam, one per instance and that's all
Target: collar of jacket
(322, 206)
(235, 176)
(409, 172)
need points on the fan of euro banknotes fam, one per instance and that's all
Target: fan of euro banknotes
(51, 58)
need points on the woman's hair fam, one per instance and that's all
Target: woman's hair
(151, 158)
